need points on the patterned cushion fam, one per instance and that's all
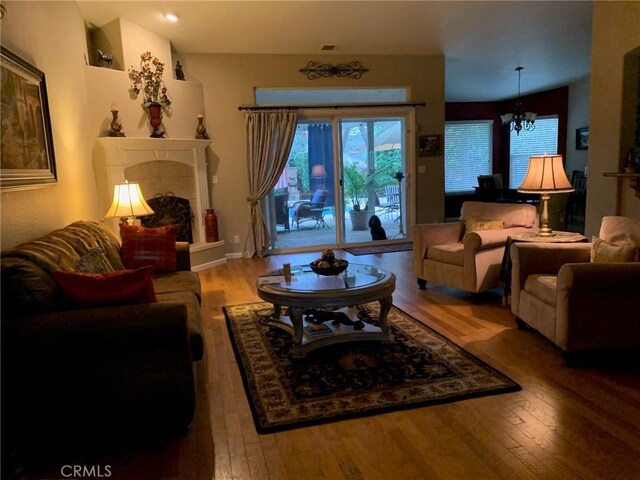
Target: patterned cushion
(113, 288)
(94, 261)
(477, 224)
(607, 252)
(154, 247)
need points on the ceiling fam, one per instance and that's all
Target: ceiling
(483, 42)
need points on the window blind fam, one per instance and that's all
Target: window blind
(544, 139)
(467, 154)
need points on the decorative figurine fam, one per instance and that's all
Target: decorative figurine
(115, 125)
(179, 72)
(104, 59)
(201, 132)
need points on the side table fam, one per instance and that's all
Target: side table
(505, 270)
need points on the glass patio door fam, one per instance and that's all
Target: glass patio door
(372, 163)
(340, 172)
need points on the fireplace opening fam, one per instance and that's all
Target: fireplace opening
(168, 210)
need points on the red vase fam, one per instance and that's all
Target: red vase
(211, 226)
(155, 119)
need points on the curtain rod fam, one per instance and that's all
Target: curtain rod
(357, 105)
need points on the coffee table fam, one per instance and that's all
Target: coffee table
(308, 297)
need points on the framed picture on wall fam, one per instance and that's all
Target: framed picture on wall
(27, 159)
(582, 138)
(429, 145)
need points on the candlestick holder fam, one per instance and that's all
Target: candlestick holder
(201, 132)
(115, 125)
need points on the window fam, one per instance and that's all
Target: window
(544, 139)
(307, 96)
(467, 154)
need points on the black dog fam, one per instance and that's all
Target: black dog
(375, 226)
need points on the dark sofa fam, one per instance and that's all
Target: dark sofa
(123, 369)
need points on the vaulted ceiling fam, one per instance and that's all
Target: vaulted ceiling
(483, 42)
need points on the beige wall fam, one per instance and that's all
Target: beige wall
(51, 36)
(615, 33)
(229, 80)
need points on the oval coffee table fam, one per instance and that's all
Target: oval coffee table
(313, 294)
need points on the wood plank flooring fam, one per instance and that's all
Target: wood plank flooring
(580, 423)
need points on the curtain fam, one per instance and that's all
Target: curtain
(321, 153)
(269, 140)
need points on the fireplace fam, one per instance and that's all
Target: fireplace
(159, 165)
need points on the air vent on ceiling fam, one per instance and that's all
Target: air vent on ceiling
(328, 47)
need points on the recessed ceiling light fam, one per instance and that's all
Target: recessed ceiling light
(172, 16)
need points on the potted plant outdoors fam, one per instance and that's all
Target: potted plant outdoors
(156, 97)
(355, 186)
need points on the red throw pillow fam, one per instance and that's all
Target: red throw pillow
(154, 247)
(113, 288)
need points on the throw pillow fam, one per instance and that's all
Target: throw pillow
(154, 247)
(113, 288)
(475, 225)
(94, 261)
(606, 252)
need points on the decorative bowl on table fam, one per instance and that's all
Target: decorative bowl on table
(328, 264)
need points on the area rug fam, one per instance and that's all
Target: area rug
(373, 249)
(419, 367)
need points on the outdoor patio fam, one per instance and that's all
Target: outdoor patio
(311, 233)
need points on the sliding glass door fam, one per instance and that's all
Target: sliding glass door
(342, 170)
(372, 163)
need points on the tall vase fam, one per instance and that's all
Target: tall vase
(155, 118)
(211, 226)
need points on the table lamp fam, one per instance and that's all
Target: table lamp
(128, 203)
(545, 175)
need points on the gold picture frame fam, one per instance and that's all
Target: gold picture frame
(27, 158)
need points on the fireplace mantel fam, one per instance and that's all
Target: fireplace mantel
(112, 156)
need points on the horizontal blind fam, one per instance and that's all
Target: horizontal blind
(467, 154)
(542, 140)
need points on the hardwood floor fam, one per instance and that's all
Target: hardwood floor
(581, 423)
(565, 423)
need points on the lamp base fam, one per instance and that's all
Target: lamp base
(546, 232)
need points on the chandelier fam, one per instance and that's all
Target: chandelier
(519, 119)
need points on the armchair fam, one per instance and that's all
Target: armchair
(579, 304)
(446, 254)
(313, 210)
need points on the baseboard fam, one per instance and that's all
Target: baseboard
(233, 255)
(204, 266)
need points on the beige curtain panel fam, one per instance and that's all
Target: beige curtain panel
(269, 140)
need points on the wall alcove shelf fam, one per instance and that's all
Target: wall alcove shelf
(634, 178)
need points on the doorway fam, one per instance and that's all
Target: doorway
(342, 170)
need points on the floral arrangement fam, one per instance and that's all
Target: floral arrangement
(149, 80)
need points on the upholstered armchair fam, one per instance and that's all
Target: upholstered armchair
(314, 210)
(581, 296)
(463, 254)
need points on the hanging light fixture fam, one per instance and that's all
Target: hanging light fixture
(519, 119)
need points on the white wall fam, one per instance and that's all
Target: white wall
(51, 36)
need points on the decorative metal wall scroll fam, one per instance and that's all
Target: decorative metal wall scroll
(315, 70)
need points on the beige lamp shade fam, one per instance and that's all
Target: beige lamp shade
(128, 202)
(318, 171)
(546, 175)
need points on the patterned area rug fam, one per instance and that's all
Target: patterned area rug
(420, 367)
(373, 249)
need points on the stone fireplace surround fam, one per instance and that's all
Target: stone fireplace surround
(160, 166)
